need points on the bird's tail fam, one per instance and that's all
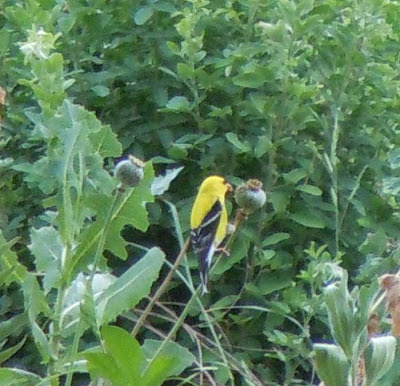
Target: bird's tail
(204, 282)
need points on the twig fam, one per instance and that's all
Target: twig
(160, 290)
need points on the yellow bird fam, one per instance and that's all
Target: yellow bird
(208, 222)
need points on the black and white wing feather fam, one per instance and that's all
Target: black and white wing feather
(203, 241)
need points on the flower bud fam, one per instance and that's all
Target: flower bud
(249, 196)
(129, 171)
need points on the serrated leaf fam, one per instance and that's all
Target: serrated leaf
(47, 248)
(126, 292)
(74, 163)
(8, 353)
(13, 326)
(275, 238)
(131, 211)
(9, 261)
(35, 303)
(143, 15)
(309, 189)
(13, 376)
(161, 183)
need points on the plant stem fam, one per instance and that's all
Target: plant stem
(160, 290)
(195, 296)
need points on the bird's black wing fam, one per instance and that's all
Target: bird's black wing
(203, 238)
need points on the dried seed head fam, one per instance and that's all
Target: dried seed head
(250, 196)
(130, 171)
(391, 285)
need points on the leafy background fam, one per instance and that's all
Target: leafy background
(302, 95)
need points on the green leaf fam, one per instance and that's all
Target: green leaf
(332, 365)
(379, 357)
(263, 145)
(295, 175)
(48, 250)
(126, 292)
(74, 165)
(104, 366)
(161, 183)
(130, 211)
(7, 354)
(238, 251)
(279, 200)
(250, 80)
(125, 350)
(275, 239)
(143, 15)
(375, 243)
(9, 262)
(307, 219)
(101, 91)
(13, 376)
(391, 186)
(158, 370)
(309, 189)
(178, 103)
(348, 315)
(183, 357)
(242, 147)
(266, 256)
(273, 281)
(13, 326)
(394, 158)
(184, 71)
(35, 303)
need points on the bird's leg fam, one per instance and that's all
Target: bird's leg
(223, 250)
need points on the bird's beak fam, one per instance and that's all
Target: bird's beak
(229, 188)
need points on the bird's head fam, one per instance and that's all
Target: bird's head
(215, 185)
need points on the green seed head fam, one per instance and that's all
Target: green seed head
(129, 171)
(249, 196)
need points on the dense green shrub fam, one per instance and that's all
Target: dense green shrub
(302, 95)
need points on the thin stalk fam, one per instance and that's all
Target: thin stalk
(160, 290)
(334, 177)
(352, 194)
(238, 221)
(98, 254)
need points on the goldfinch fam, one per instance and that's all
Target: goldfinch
(208, 222)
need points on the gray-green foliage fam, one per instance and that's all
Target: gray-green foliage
(299, 94)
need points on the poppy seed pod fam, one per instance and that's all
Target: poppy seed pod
(249, 196)
(129, 171)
